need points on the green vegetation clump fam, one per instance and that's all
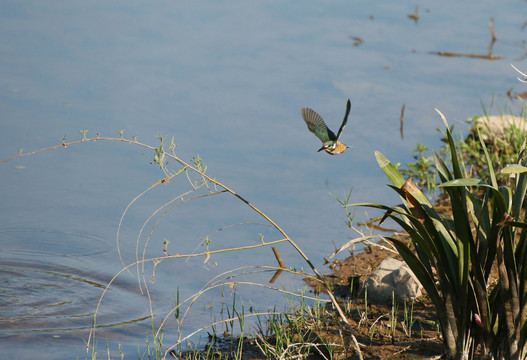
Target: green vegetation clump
(453, 254)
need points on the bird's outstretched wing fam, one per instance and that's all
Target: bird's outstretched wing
(348, 108)
(316, 125)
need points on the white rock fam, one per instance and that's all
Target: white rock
(392, 276)
(493, 127)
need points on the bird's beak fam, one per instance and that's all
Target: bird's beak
(322, 148)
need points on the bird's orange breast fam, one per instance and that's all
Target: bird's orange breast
(339, 149)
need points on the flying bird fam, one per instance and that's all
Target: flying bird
(315, 124)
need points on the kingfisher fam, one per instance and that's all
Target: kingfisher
(315, 124)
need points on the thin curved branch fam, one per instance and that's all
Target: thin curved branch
(204, 176)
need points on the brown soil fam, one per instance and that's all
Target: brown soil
(373, 329)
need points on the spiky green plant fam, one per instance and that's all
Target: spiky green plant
(452, 255)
